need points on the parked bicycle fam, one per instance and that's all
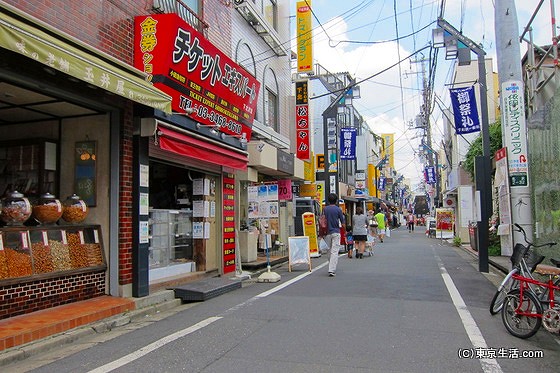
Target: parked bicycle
(532, 302)
(523, 261)
(524, 312)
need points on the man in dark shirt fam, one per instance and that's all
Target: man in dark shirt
(335, 219)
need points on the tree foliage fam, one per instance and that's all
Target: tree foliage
(475, 150)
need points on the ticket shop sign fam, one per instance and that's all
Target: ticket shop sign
(197, 75)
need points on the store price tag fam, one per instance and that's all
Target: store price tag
(45, 238)
(1, 243)
(24, 240)
(81, 234)
(64, 240)
(95, 236)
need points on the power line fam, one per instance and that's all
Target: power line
(369, 77)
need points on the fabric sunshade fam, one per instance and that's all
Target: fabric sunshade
(183, 144)
(57, 54)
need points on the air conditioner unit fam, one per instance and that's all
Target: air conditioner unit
(449, 202)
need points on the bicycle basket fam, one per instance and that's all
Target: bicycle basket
(518, 252)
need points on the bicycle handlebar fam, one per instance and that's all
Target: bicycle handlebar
(520, 229)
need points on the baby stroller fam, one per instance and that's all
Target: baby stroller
(370, 243)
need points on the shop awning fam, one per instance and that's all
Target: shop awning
(183, 144)
(54, 50)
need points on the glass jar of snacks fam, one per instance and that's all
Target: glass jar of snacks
(16, 209)
(48, 210)
(74, 209)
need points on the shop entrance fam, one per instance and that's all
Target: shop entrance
(182, 220)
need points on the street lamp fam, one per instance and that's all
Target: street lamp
(482, 164)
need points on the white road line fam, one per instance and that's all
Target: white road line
(477, 340)
(181, 333)
(153, 346)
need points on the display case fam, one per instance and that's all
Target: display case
(44, 251)
(171, 239)
(29, 167)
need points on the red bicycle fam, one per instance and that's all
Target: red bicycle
(524, 310)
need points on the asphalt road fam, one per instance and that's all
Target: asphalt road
(417, 305)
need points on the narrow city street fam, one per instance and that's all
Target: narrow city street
(417, 305)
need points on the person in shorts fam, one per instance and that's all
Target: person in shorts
(359, 231)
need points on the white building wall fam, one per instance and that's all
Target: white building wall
(264, 58)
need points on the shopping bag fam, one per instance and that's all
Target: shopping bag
(323, 247)
(323, 227)
(387, 232)
(342, 236)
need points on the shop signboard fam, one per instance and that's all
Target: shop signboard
(303, 148)
(229, 222)
(197, 75)
(304, 36)
(310, 230)
(444, 222)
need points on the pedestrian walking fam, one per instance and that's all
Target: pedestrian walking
(335, 219)
(360, 231)
(381, 224)
(410, 222)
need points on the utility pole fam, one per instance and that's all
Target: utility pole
(426, 126)
(513, 121)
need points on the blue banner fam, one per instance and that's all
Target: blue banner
(381, 183)
(430, 175)
(348, 143)
(465, 111)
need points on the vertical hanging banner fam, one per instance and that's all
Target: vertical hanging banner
(381, 183)
(430, 175)
(465, 111)
(348, 143)
(515, 133)
(304, 37)
(229, 222)
(303, 148)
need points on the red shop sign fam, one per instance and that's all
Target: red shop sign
(182, 63)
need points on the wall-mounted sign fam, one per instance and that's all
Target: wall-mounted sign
(303, 148)
(196, 74)
(304, 29)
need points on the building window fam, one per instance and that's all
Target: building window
(271, 99)
(271, 109)
(271, 12)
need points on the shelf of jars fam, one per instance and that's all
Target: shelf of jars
(48, 249)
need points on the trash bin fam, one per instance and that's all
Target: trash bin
(472, 236)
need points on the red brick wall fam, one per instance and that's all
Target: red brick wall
(27, 297)
(125, 202)
(105, 25)
(108, 25)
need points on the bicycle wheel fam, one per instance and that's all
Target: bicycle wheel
(517, 325)
(498, 299)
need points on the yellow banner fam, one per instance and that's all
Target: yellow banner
(388, 150)
(308, 190)
(304, 37)
(310, 230)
